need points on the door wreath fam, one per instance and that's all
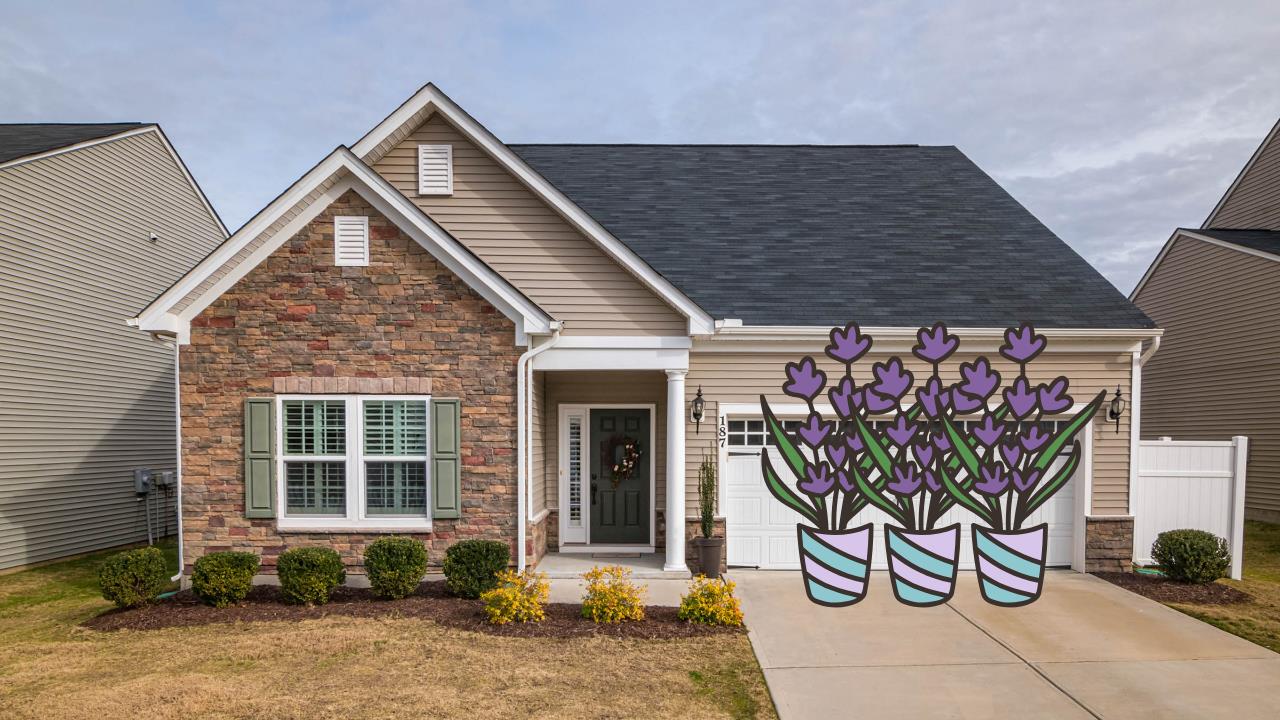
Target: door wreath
(622, 457)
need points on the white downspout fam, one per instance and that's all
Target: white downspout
(1140, 359)
(524, 429)
(1155, 345)
(177, 468)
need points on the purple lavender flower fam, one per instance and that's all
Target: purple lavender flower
(854, 442)
(1011, 454)
(806, 380)
(818, 480)
(842, 397)
(902, 430)
(1021, 398)
(935, 344)
(1023, 344)
(1054, 397)
(963, 403)
(979, 379)
(892, 381)
(941, 442)
(923, 453)
(1024, 481)
(846, 481)
(815, 431)
(931, 481)
(1033, 439)
(989, 431)
(933, 398)
(875, 402)
(836, 453)
(906, 481)
(848, 344)
(994, 481)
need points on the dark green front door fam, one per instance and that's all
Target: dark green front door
(620, 476)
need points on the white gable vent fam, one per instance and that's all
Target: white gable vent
(350, 240)
(435, 169)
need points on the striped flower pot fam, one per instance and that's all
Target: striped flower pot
(1010, 564)
(835, 564)
(922, 565)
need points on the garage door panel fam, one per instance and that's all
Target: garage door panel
(761, 531)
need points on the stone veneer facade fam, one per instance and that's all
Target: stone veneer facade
(297, 315)
(1108, 543)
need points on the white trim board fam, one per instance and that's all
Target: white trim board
(1208, 221)
(812, 338)
(1193, 235)
(354, 175)
(430, 98)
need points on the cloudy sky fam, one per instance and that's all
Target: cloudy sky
(1114, 122)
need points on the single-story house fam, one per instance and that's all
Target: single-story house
(95, 220)
(437, 333)
(1215, 290)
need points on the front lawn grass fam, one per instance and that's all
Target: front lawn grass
(338, 667)
(1257, 621)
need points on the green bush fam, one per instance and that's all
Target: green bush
(472, 566)
(308, 575)
(224, 578)
(133, 578)
(395, 566)
(1193, 556)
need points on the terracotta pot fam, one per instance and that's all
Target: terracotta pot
(710, 554)
(835, 564)
(1010, 564)
(922, 565)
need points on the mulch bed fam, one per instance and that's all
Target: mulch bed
(430, 602)
(1171, 591)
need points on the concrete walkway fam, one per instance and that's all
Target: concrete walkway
(1086, 649)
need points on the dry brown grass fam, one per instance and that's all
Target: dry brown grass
(50, 668)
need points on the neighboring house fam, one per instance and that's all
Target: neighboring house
(436, 333)
(1216, 292)
(94, 220)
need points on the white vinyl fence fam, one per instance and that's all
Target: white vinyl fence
(1190, 484)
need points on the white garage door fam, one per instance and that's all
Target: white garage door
(761, 532)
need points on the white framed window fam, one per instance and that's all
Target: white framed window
(350, 240)
(354, 461)
(435, 169)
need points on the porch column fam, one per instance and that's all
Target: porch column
(675, 471)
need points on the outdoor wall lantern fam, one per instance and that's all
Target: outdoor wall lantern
(696, 409)
(1116, 410)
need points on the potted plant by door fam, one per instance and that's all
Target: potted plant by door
(710, 549)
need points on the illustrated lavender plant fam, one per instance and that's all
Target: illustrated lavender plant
(950, 447)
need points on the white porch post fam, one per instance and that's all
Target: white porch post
(675, 471)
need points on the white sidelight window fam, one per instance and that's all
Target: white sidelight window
(435, 169)
(354, 462)
(350, 240)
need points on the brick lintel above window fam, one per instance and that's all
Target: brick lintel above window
(353, 385)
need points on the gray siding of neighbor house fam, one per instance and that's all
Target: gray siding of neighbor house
(1217, 373)
(84, 398)
(1253, 203)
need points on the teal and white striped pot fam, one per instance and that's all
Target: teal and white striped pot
(922, 565)
(1010, 564)
(835, 564)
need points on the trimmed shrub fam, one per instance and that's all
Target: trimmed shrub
(308, 575)
(395, 566)
(1193, 556)
(519, 597)
(472, 566)
(133, 578)
(224, 578)
(710, 602)
(611, 596)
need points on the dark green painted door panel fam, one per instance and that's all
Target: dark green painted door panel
(619, 502)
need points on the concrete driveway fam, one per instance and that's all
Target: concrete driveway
(1085, 649)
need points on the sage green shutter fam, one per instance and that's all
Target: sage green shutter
(259, 458)
(446, 463)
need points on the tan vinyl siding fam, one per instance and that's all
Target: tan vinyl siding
(84, 398)
(1217, 373)
(743, 377)
(524, 240)
(1254, 203)
(605, 388)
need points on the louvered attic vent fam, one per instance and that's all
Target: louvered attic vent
(350, 240)
(435, 169)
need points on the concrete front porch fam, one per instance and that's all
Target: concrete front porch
(643, 566)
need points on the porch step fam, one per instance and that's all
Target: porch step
(643, 566)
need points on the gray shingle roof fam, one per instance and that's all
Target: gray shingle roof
(1267, 241)
(820, 235)
(22, 139)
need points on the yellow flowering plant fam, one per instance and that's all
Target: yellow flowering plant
(519, 597)
(611, 596)
(711, 602)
